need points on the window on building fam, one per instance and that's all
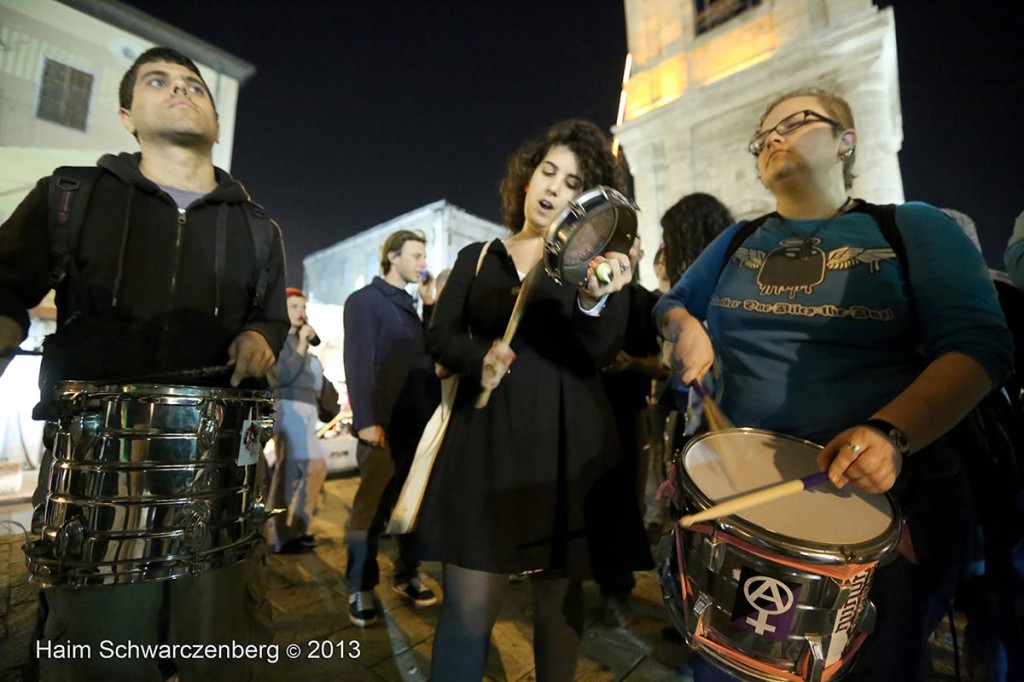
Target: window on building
(64, 96)
(712, 13)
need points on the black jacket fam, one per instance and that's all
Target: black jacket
(143, 294)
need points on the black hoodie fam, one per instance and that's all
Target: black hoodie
(144, 295)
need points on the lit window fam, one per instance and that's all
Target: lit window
(64, 96)
(712, 13)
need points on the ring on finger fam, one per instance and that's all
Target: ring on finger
(854, 448)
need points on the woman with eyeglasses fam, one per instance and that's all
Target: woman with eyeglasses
(828, 330)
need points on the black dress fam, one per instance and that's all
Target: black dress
(523, 484)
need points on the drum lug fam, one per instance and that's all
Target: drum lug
(717, 551)
(816, 659)
(702, 612)
(209, 426)
(197, 528)
(69, 540)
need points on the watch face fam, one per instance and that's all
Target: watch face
(899, 439)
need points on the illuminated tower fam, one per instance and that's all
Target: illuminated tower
(703, 71)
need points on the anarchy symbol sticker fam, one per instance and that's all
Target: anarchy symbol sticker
(765, 605)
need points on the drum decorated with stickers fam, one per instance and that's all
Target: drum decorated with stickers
(778, 591)
(151, 482)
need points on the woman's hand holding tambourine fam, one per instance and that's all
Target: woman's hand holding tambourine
(606, 275)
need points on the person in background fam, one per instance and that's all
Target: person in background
(660, 272)
(687, 228)
(299, 469)
(877, 389)
(627, 383)
(393, 391)
(520, 485)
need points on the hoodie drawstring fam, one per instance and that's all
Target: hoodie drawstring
(220, 253)
(124, 244)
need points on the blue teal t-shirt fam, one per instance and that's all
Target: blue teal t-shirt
(815, 336)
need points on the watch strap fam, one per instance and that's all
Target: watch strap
(898, 439)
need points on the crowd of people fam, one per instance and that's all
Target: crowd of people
(871, 331)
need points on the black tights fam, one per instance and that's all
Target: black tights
(472, 602)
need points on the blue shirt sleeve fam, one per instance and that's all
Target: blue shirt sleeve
(955, 302)
(694, 289)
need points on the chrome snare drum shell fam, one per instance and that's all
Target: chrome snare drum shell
(151, 482)
(597, 221)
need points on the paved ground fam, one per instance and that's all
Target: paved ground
(310, 605)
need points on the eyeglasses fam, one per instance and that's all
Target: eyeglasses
(786, 126)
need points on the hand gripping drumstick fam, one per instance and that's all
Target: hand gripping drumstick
(513, 325)
(743, 502)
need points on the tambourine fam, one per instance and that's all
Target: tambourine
(597, 221)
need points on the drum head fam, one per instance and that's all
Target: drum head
(724, 464)
(596, 222)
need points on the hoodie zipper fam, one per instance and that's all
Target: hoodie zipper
(182, 219)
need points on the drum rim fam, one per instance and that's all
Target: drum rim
(75, 388)
(874, 549)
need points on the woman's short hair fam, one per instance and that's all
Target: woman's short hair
(394, 243)
(836, 108)
(598, 166)
(688, 227)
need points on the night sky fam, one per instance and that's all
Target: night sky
(361, 111)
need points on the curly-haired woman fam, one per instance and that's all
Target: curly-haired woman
(517, 485)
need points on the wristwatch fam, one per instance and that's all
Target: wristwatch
(893, 433)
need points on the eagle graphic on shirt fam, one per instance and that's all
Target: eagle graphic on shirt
(798, 265)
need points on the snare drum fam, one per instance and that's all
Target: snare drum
(151, 482)
(779, 591)
(597, 221)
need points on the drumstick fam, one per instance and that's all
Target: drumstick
(716, 419)
(510, 329)
(743, 502)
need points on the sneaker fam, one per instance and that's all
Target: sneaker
(307, 540)
(414, 591)
(617, 611)
(362, 609)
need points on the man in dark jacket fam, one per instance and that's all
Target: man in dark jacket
(392, 390)
(162, 276)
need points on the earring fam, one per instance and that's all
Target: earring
(847, 154)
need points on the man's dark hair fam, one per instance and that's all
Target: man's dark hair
(155, 54)
(688, 227)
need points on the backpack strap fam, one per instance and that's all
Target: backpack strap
(70, 188)
(262, 233)
(884, 215)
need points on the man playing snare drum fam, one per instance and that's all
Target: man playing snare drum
(169, 267)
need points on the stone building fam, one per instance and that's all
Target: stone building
(703, 71)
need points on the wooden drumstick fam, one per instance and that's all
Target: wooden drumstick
(513, 325)
(755, 498)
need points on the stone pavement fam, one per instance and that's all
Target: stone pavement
(310, 608)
